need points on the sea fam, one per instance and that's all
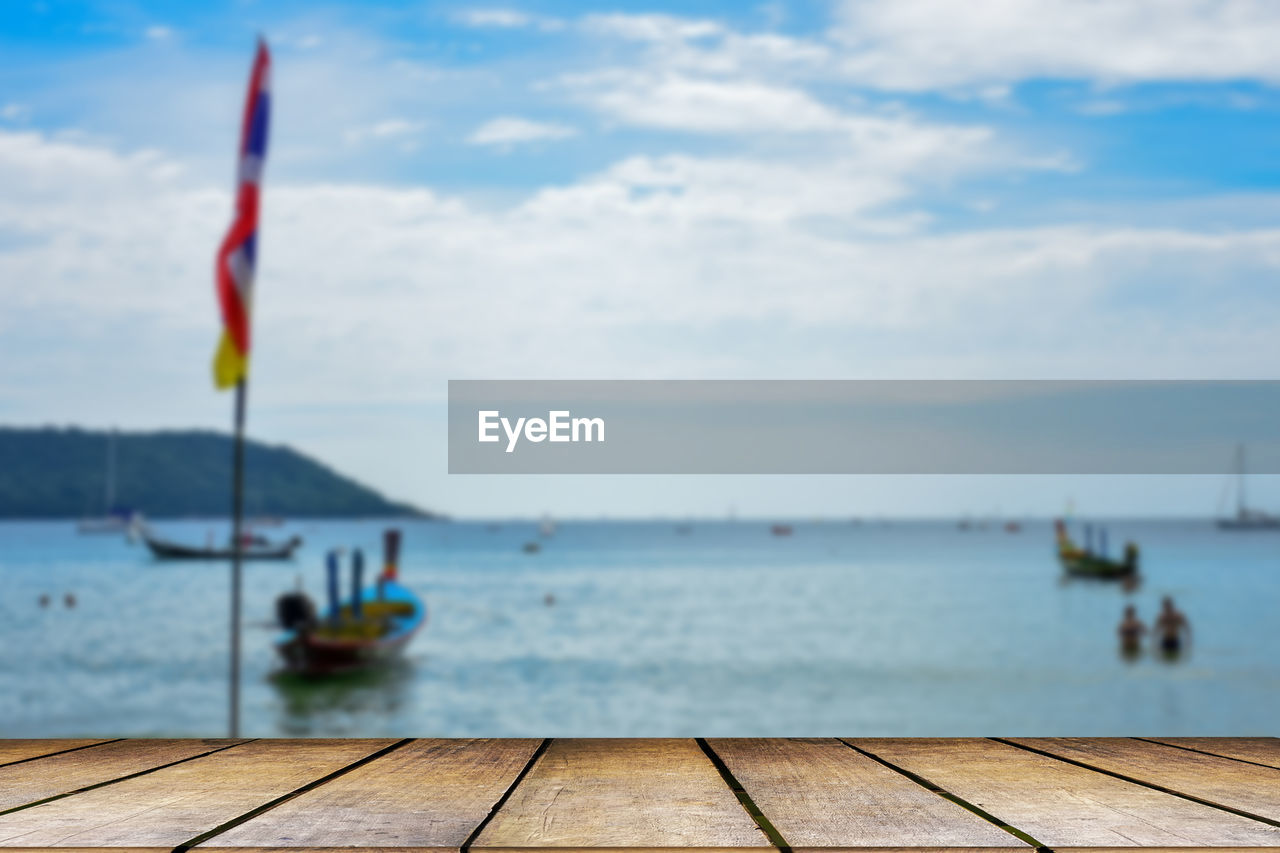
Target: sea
(654, 628)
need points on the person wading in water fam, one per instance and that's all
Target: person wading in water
(1131, 630)
(1172, 625)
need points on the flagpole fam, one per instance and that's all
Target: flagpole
(237, 511)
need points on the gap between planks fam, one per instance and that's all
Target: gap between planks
(1136, 781)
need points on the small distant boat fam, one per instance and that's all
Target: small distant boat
(1012, 527)
(252, 547)
(1084, 562)
(371, 628)
(1246, 518)
(781, 530)
(531, 547)
(547, 528)
(116, 519)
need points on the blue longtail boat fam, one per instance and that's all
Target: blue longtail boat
(370, 628)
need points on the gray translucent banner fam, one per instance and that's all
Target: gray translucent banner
(862, 427)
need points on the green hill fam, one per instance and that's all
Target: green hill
(61, 473)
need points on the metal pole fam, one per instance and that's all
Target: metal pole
(237, 510)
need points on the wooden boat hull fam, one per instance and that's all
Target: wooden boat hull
(1086, 566)
(315, 657)
(163, 550)
(310, 652)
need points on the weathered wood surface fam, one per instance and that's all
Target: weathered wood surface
(25, 750)
(428, 795)
(593, 794)
(1220, 781)
(811, 795)
(1067, 807)
(820, 793)
(169, 807)
(71, 771)
(1260, 750)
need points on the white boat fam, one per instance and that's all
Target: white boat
(1246, 518)
(116, 519)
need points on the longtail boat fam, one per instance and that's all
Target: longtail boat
(1084, 562)
(251, 548)
(371, 627)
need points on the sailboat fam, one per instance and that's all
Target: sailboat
(1246, 518)
(117, 519)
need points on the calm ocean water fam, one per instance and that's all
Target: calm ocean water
(904, 628)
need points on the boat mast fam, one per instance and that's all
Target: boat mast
(111, 472)
(1241, 503)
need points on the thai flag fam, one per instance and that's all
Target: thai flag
(234, 265)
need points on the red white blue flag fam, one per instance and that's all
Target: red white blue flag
(237, 256)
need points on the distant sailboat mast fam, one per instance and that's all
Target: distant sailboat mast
(1245, 518)
(110, 495)
(113, 519)
(1242, 505)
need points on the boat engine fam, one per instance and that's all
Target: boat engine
(295, 610)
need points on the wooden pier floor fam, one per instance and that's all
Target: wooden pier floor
(808, 794)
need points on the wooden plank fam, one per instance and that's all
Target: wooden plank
(1068, 807)
(595, 794)
(428, 795)
(25, 750)
(1221, 781)
(57, 774)
(1260, 750)
(820, 794)
(169, 807)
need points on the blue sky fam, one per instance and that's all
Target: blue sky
(843, 189)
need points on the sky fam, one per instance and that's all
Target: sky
(1061, 189)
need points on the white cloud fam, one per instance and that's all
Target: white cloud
(937, 44)
(656, 267)
(401, 130)
(14, 111)
(506, 19)
(510, 130)
(651, 27)
(701, 105)
(374, 293)
(685, 45)
(159, 32)
(983, 49)
(686, 189)
(890, 145)
(34, 166)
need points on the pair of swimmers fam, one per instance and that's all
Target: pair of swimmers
(1171, 626)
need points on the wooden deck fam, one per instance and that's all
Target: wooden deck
(827, 794)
